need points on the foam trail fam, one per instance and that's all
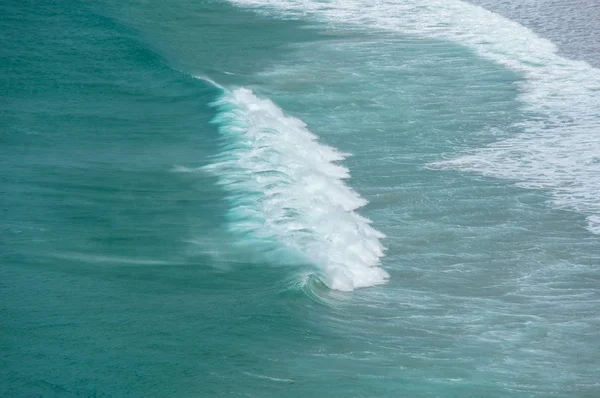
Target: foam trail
(559, 149)
(209, 80)
(286, 187)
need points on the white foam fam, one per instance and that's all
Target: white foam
(559, 150)
(285, 186)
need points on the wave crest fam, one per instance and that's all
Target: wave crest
(286, 187)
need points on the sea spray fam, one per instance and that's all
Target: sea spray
(286, 187)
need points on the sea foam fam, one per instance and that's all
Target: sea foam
(559, 147)
(286, 187)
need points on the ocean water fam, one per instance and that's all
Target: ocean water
(291, 198)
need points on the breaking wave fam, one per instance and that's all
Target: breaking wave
(286, 187)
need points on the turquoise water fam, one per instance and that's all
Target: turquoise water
(296, 198)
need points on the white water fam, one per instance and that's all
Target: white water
(559, 147)
(286, 187)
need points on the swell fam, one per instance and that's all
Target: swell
(560, 141)
(287, 188)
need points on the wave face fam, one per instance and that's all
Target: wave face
(558, 149)
(286, 187)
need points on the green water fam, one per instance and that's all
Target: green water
(134, 263)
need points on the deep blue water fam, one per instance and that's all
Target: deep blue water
(299, 198)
